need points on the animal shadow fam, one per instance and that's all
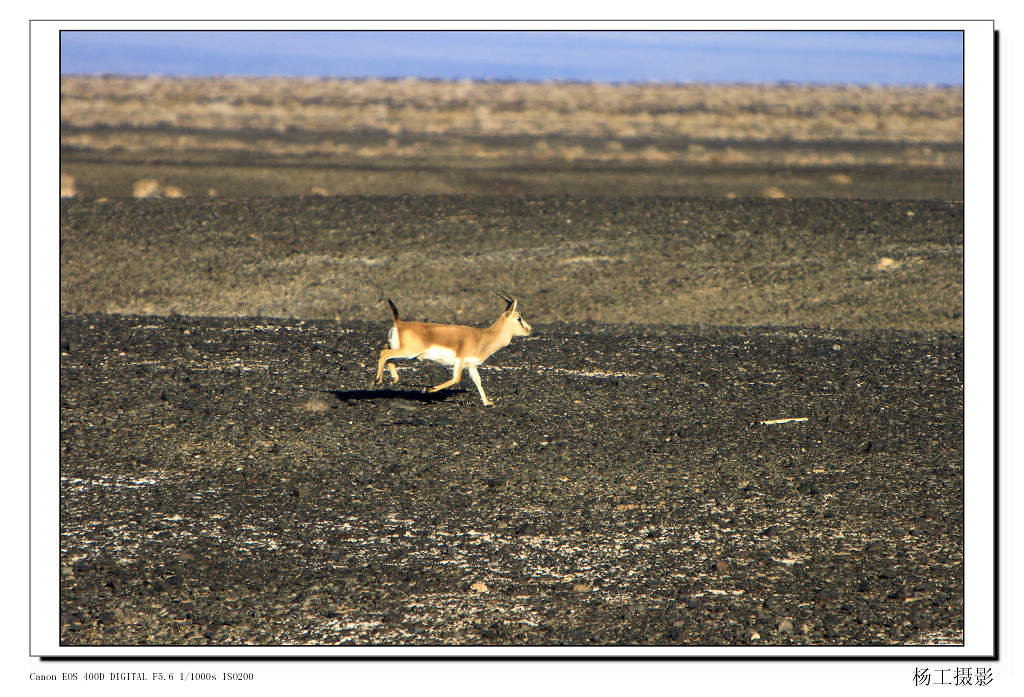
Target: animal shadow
(387, 393)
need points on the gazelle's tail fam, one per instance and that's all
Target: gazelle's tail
(394, 310)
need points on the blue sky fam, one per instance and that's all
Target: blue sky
(890, 57)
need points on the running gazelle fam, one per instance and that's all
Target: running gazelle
(451, 344)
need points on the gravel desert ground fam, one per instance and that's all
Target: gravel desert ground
(739, 420)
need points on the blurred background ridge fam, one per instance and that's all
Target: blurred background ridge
(833, 57)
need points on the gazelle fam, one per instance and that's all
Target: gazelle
(451, 344)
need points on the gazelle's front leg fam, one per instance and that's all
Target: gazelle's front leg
(480, 388)
(456, 377)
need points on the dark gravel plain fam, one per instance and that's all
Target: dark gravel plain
(229, 476)
(236, 481)
(851, 264)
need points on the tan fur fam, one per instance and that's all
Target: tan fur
(451, 344)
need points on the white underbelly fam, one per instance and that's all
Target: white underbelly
(438, 354)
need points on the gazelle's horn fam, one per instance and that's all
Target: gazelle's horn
(506, 298)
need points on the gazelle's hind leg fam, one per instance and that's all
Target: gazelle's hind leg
(480, 388)
(456, 377)
(385, 356)
(394, 372)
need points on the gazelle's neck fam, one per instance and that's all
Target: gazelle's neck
(496, 336)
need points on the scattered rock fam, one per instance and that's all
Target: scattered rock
(146, 188)
(831, 623)
(480, 587)
(825, 595)
(898, 594)
(527, 530)
(772, 192)
(67, 186)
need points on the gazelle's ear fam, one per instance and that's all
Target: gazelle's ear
(513, 305)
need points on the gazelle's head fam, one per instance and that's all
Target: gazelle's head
(513, 320)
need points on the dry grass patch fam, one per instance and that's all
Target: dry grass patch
(486, 125)
(898, 114)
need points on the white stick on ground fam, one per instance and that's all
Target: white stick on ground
(783, 421)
